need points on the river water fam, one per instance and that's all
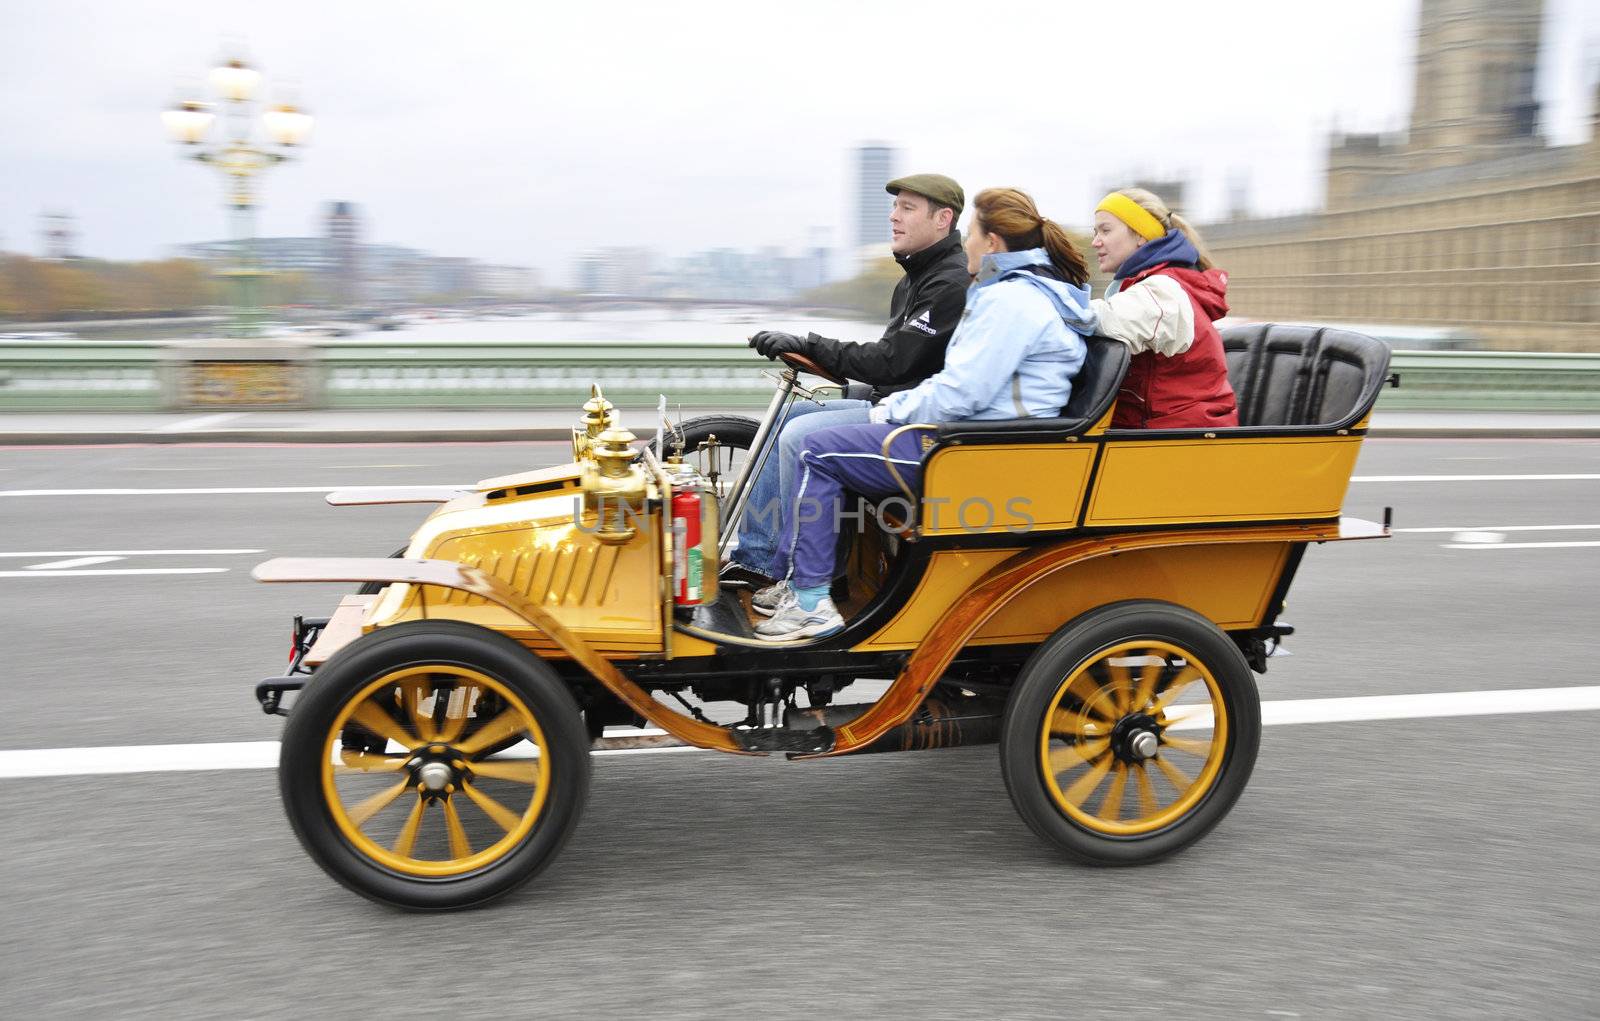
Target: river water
(639, 326)
(646, 325)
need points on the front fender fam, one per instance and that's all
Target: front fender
(449, 574)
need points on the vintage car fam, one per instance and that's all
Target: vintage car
(1098, 613)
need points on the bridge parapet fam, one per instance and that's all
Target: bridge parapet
(71, 375)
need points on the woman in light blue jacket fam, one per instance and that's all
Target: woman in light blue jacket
(1014, 354)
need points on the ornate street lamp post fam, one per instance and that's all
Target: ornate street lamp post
(239, 158)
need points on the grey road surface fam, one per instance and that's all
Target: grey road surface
(1410, 868)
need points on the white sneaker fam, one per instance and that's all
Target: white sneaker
(770, 599)
(791, 622)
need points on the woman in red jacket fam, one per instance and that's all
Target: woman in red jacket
(1164, 299)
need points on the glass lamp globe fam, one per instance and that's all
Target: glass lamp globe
(235, 80)
(287, 124)
(188, 121)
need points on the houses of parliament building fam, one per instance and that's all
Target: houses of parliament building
(1470, 221)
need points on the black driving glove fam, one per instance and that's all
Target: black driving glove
(771, 343)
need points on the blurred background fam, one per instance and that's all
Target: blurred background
(182, 178)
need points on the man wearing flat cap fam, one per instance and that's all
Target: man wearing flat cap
(923, 314)
(927, 302)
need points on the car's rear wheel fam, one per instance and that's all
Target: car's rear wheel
(434, 765)
(1130, 733)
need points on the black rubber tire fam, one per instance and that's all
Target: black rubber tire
(429, 642)
(1063, 654)
(372, 588)
(734, 430)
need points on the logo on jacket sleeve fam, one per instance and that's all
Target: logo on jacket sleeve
(921, 323)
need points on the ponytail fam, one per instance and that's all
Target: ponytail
(1012, 215)
(1064, 255)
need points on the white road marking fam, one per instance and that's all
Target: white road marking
(112, 571)
(222, 491)
(1434, 705)
(192, 424)
(1516, 545)
(1501, 528)
(1473, 478)
(62, 565)
(130, 553)
(36, 762)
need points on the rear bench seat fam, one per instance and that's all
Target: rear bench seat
(1316, 379)
(1288, 379)
(1310, 376)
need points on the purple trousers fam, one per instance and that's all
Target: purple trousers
(846, 458)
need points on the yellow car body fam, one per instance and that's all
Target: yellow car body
(1017, 531)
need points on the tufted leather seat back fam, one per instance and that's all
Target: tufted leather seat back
(1303, 375)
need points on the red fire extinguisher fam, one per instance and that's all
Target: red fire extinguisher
(687, 557)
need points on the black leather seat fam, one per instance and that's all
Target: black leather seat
(1093, 390)
(1284, 377)
(1303, 376)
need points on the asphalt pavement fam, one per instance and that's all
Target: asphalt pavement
(1416, 868)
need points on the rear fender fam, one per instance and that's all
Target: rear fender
(927, 663)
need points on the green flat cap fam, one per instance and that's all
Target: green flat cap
(937, 187)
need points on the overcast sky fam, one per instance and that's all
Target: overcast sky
(524, 132)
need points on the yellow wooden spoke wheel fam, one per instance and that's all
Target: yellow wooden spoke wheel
(430, 802)
(434, 765)
(1130, 733)
(1134, 738)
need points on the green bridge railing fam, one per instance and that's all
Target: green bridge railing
(80, 375)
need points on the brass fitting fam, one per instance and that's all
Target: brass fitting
(599, 415)
(614, 485)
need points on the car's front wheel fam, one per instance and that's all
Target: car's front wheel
(434, 765)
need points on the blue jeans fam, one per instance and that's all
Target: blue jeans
(832, 462)
(774, 488)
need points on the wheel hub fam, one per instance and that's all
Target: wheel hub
(1143, 744)
(1136, 737)
(435, 776)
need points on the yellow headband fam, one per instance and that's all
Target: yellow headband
(1133, 214)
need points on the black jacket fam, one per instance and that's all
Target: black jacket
(923, 315)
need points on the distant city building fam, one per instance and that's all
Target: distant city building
(58, 235)
(1172, 191)
(518, 282)
(1238, 195)
(451, 277)
(588, 273)
(615, 271)
(720, 273)
(1468, 220)
(876, 166)
(350, 274)
(394, 274)
(343, 230)
(309, 255)
(819, 268)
